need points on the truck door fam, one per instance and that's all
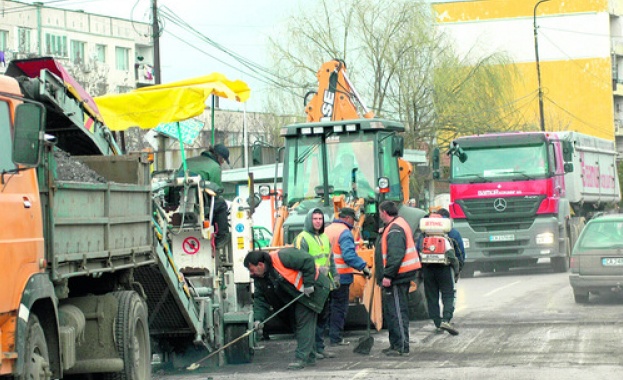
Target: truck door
(21, 230)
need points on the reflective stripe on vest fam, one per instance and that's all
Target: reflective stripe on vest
(333, 231)
(293, 276)
(319, 247)
(411, 260)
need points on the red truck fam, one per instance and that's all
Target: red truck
(522, 196)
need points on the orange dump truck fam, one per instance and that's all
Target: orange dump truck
(89, 282)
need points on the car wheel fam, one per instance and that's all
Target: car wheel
(580, 297)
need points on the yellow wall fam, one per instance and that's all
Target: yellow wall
(577, 96)
(497, 9)
(578, 93)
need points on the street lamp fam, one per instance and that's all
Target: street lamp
(538, 67)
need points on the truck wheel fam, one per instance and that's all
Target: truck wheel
(418, 310)
(468, 271)
(580, 297)
(240, 352)
(561, 264)
(36, 360)
(132, 338)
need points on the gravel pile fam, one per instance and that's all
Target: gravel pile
(70, 169)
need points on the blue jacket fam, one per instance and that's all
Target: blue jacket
(351, 258)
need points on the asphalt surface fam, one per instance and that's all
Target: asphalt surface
(518, 325)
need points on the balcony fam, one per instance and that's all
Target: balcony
(144, 74)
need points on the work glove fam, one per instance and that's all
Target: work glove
(366, 272)
(336, 281)
(308, 290)
(258, 327)
(323, 270)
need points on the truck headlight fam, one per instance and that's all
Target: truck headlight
(545, 238)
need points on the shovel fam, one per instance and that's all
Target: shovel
(196, 364)
(366, 342)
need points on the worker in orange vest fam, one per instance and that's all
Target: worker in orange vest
(396, 261)
(347, 262)
(281, 276)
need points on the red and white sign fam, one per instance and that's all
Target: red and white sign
(191, 245)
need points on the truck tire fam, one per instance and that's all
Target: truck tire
(240, 352)
(132, 338)
(36, 359)
(580, 297)
(468, 271)
(560, 264)
(418, 310)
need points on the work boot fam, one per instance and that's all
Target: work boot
(439, 330)
(386, 350)
(324, 355)
(298, 364)
(449, 327)
(393, 352)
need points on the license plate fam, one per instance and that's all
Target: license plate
(509, 237)
(612, 261)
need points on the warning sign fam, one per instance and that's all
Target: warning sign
(191, 245)
(241, 243)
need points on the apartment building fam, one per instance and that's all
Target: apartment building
(105, 54)
(580, 56)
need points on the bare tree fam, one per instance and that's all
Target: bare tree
(404, 68)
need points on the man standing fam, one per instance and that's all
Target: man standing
(279, 277)
(439, 280)
(208, 166)
(396, 261)
(346, 262)
(314, 241)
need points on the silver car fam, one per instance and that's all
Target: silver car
(597, 258)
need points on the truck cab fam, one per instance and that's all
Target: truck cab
(328, 159)
(518, 197)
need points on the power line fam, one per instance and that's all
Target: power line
(258, 69)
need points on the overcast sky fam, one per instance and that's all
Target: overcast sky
(242, 26)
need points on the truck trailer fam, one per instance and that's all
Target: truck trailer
(522, 196)
(92, 272)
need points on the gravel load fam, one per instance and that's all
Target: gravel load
(71, 169)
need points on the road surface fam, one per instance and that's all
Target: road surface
(523, 324)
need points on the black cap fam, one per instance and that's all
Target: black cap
(222, 151)
(346, 212)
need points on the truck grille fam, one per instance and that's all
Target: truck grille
(518, 213)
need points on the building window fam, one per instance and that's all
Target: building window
(123, 58)
(4, 40)
(56, 45)
(77, 52)
(100, 53)
(23, 40)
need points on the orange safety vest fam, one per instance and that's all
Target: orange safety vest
(293, 276)
(411, 260)
(333, 231)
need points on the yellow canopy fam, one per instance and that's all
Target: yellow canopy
(167, 103)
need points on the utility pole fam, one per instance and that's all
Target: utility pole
(156, 37)
(155, 30)
(538, 67)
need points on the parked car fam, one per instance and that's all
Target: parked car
(261, 237)
(597, 258)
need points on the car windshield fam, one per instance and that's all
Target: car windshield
(601, 234)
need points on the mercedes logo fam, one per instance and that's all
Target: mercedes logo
(499, 204)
